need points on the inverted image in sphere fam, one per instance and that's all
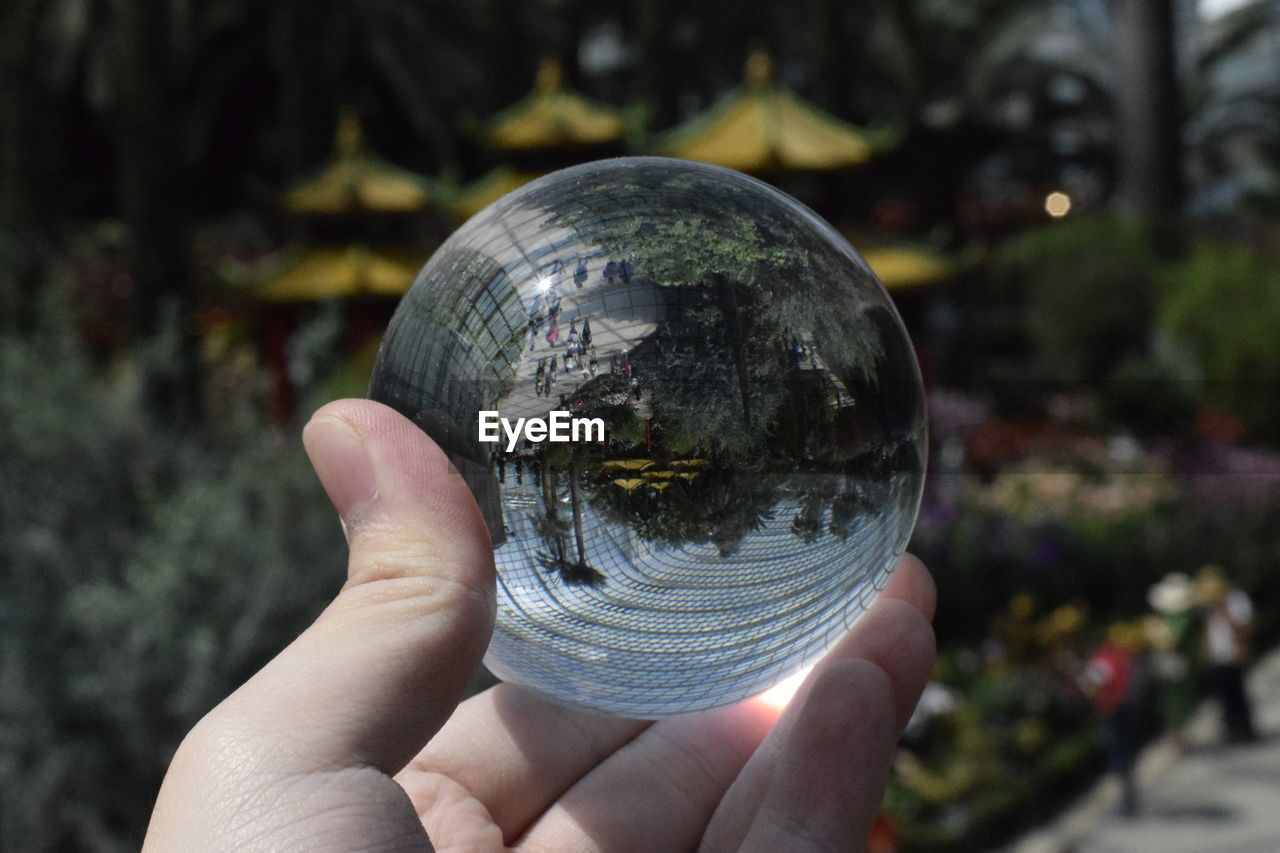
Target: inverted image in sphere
(690, 415)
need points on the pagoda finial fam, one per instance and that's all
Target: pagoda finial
(349, 140)
(759, 69)
(550, 75)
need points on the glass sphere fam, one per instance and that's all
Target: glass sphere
(690, 415)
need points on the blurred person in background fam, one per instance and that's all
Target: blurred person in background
(1228, 629)
(1175, 632)
(1115, 680)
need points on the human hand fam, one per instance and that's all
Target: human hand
(353, 738)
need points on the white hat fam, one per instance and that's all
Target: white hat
(1173, 594)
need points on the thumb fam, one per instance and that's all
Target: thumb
(386, 663)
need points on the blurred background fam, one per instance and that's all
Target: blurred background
(208, 211)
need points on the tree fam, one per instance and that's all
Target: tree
(135, 597)
(552, 529)
(1148, 111)
(739, 272)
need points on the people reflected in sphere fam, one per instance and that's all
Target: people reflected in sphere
(719, 417)
(730, 386)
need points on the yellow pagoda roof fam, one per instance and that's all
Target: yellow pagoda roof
(901, 266)
(762, 128)
(628, 464)
(329, 272)
(356, 180)
(487, 189)
(553, 117)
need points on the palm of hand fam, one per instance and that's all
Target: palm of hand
(510, 770)
(323, 750)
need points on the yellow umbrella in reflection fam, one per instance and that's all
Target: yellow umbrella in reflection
(690, 463)
(659, 475)
(629, 485)
(657, 487)
(761, 127)
(628, 464)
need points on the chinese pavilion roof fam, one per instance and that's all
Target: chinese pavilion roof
(486, 189)
(899, 268)
(357, 181)
(901, 265)
(554, 117)
(761, 127)
(327, 272)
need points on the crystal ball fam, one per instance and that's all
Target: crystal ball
(689, 413)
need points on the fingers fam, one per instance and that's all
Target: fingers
(303, 751)
(659, 790)
(828, 781)
(896, 635)
(516, 753)
(912, 583)
(609, 783)
(894, 638)
(384, 665)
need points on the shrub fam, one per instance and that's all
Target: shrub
(146, 574)
(1223, 303)
(1080, 293)
(1151, 395)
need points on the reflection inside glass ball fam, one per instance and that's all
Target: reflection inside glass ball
(690, 416)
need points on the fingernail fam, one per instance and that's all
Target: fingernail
(342, 463)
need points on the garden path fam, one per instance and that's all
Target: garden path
(1201, 798)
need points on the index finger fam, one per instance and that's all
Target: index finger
(912, 583)
(885, 660)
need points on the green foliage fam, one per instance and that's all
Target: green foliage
(1223, 303)
(146, 574)
(746, 277)
(1100, 540)
(1084, 290)
(1150, 396)
(719, 507)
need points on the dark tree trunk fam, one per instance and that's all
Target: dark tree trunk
(27, 130)
(578, 537)
(1149, 180)
(658, 70)
(513, 68)
(831, 63)
(730, 310)
(550, 499)
(154, 200)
